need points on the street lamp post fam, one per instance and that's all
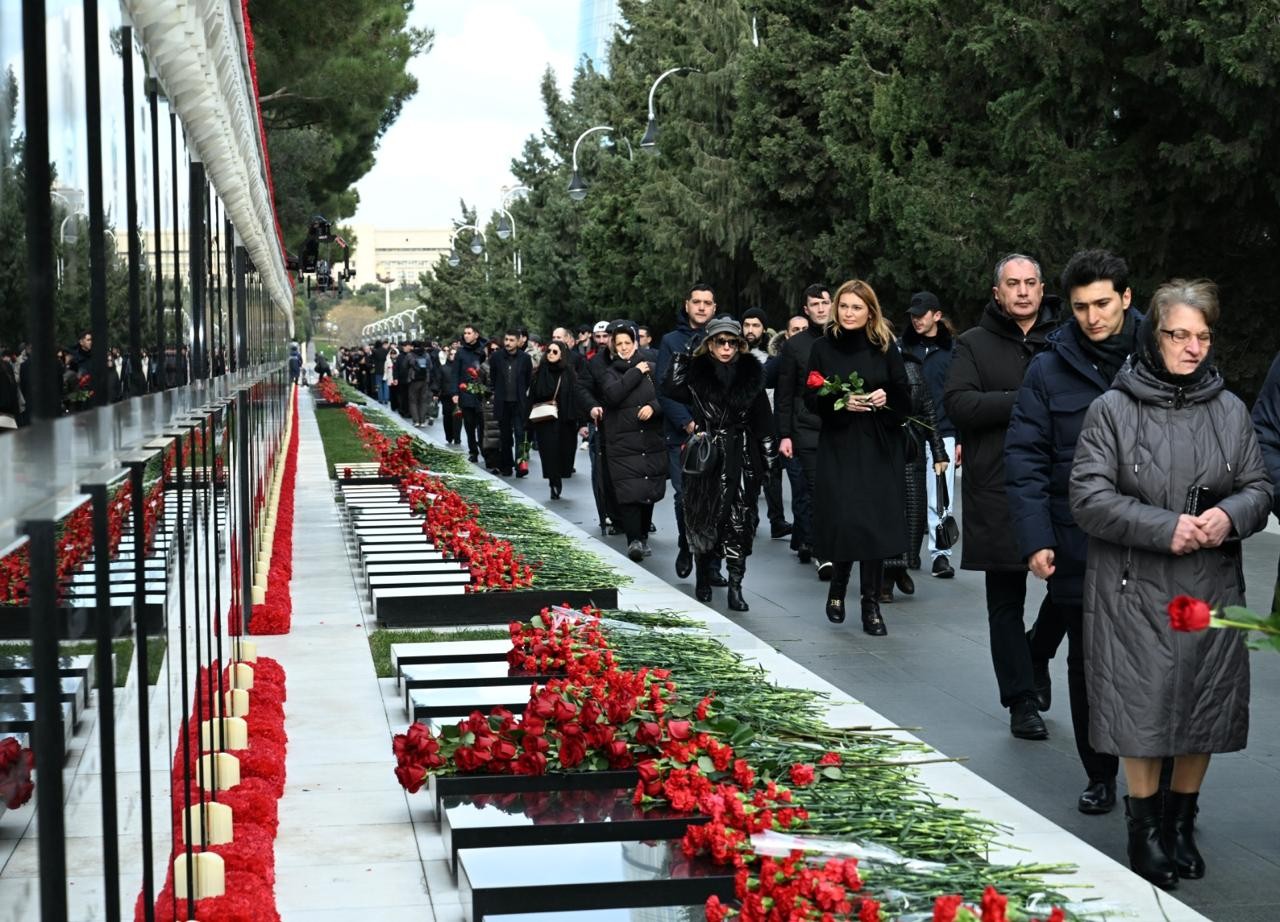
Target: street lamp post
(650, 140)
(577, 185)
(477, 242)
(386, 278)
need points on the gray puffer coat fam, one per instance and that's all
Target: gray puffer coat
(1153, 691)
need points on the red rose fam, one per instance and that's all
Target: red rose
(802, 774)
(815, 380)
(649, 733)
(531, 763)
(504, 750)
(1189, 614)
(619, 754)
(679, 730)
(411, 777)
(346, 472)
(573, 750)
(648, 770)
(16, 764)
(473, 372)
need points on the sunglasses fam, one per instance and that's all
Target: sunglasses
(721, 341)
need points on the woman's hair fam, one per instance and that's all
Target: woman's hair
(878, 329)
(705, 346)
(1200, 294)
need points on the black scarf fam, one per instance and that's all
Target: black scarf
(1148, 352)
(725, 372)
(1108, 355)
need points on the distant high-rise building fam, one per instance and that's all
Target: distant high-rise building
(597, 21)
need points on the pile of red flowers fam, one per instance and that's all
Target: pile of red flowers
(275, 614)
(452, 523)
(249, 859)
(75, 540)
(16, 764)
(328, 391)
(598, 716)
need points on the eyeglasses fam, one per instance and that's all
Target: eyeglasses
(1182, 337)
(722, 341)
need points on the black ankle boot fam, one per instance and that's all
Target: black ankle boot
(836, 591)
(1178, 834)
(684, 561)
(737, 568)
(702, 584)
(871, 578)
(1147, 856)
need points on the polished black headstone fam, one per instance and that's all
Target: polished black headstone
(449, 651)
(551, 817)
(462, 675)
(579, 877)
(440, 786)
(438, 706)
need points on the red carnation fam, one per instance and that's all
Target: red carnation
(802, 774)
(830, 758)
(1189, 614)
(815, 380)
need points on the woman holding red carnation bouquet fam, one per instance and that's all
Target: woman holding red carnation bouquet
(1167, 480)
(858, 384)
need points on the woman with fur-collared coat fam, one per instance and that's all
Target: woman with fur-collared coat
(1166, 482)
(724, 386)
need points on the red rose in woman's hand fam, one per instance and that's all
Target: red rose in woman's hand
(815, 380)
(1189, 614)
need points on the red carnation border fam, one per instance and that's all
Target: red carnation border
(250, 859)
(275, 614)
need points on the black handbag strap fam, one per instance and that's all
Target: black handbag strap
(944, 496)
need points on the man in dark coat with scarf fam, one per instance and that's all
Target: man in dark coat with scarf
(467, 362)
(510, 374)
(677, 417)
(982, 386)
(1077, 366)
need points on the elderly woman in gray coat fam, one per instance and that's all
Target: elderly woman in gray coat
(1166, 482)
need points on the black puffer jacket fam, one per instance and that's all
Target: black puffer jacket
(635, 449)
(982, 386)
(720, 507)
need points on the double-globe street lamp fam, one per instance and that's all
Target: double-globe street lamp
(577, 185)
(477, 242)
(506, 229)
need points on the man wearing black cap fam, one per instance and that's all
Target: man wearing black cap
(929, 339)
(754, 330)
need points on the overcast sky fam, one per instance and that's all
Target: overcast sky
(477, 101)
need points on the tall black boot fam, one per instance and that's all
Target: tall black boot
(837, 589)
(1179, 839)
(737, 567)
(1147, 856)
(871, 577)
(702, 584)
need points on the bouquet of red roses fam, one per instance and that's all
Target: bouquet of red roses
(473, 385)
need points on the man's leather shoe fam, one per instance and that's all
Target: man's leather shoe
(1025, 722)
(1098, 797)
(824, 569)
(684, 563)
(902, 579)
(805, 553)
(942, 568)
(780, 530)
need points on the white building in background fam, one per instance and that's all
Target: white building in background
(401, 254)
(597, 22)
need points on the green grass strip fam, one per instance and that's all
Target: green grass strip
(122, 646)
(342, 445)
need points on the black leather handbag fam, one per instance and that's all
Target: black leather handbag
(947, 532)
(700, 454)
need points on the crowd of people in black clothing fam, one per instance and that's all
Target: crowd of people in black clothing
(125, 376)
(1101, 451)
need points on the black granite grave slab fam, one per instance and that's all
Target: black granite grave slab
(18, 718)
(23, 688)
(553, 817)
(75, 666)
(362, 480)
(466, 675)
(478, 608)
(449, 651)
(423, 580)
(438, 706)
(441, 786)
(76, 621)
(664, 913)
(583, 876)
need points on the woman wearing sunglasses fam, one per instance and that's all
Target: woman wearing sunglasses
(554, 384)
(726, 394)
